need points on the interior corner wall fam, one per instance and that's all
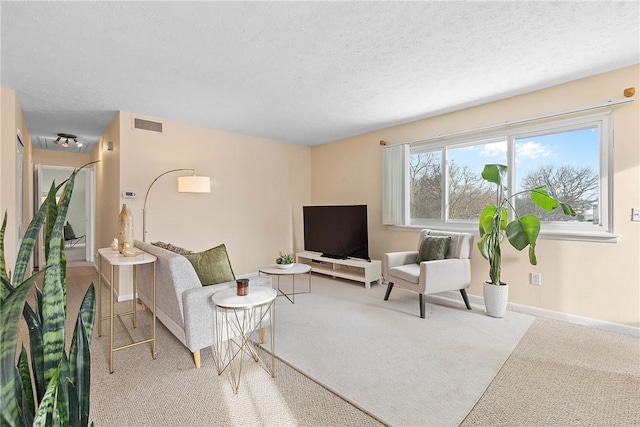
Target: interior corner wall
(594, 280)
(258, 188)
(107, 195)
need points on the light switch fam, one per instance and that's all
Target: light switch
(635, 214)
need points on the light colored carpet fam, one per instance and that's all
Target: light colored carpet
(169, 391)
(380, 356)
(562, 374)
(559, 374)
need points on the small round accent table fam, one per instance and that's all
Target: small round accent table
(236, 320)
(297, 268)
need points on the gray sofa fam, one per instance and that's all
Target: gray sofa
(183, 305)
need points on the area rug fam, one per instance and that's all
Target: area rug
(383, 358)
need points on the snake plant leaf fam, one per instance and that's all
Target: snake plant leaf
(53, 290)
(4, 276)
(62, 396)
(28, 243)
(88, 310)
(79, 354)
(10, 311)
(36, 346)
(23, 383)
(74, 419)
(51, 208)
(80, 367)
(39, 302)
(29, 404)
(496, 174)
(43, 415)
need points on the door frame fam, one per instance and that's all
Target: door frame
(89, 175)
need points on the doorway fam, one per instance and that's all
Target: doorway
(80, 223)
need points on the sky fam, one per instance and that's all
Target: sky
(578, 148)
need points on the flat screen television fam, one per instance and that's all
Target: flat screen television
(337, 232)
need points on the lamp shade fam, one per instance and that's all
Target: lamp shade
(194, 184)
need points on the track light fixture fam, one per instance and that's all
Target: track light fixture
(64, 138)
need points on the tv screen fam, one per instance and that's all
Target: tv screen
(336, 231)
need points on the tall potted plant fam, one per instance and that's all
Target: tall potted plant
(54, 391)
(521, 232)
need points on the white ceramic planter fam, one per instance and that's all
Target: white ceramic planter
(285, 266)
(495, 299)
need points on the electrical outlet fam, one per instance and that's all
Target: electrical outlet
(535, 279)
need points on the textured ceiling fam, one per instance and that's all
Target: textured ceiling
(301, 72)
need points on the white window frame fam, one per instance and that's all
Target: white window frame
(602, 231)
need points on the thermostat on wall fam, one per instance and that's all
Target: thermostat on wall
(129, 195)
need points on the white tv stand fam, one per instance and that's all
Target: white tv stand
(351, 269)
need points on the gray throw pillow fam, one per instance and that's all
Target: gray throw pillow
(432, 248)
(212, 266)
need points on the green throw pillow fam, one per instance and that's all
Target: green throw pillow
(432, 248)
(212, 266)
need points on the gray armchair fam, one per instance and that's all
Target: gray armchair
(429, 277)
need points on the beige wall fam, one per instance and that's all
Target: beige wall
(60, 158)
(258, 188)
(107, 184)
(594, 280)
(12, 121)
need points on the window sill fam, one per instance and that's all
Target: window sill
(580, 236)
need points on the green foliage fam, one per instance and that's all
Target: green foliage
(285, 259)
(56, 389)
(521, 232)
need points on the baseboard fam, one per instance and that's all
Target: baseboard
(478, 301)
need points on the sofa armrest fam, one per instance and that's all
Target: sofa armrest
(445, 275)
(198, 311)
(396, 259)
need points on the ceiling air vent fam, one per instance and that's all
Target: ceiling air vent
(147, 125)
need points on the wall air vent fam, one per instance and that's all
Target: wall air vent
(147, 125)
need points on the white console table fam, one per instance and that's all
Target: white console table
(351, 269)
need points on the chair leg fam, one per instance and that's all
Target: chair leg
(465, 298)
(421, 306)
(389, 287)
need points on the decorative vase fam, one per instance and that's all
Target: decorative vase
(125, 229)
(114, 244)
(283, 266)
(495, 299)
(242, 287)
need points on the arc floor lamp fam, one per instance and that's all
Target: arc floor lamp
(186, 184)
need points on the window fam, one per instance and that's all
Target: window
(569, 157)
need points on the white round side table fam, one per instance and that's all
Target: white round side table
(297, 268)
(236, 319)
